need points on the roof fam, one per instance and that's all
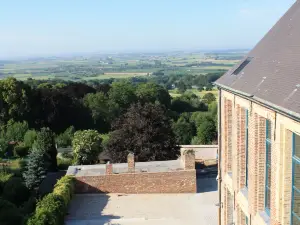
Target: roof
(272, 75)
(154, 166)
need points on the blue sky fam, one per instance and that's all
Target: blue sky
(34, 27)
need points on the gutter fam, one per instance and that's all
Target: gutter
(219, 155)
(288, 113)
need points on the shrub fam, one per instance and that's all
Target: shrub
(53, 207)
(63, 164)
(49, 211)
(4, 177)
(29, 138)
(86, 146)
(15, 191)
(3, 147)
(21, 151)
(9, 213)
(28, 207)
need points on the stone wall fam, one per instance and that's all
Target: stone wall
(135, 183)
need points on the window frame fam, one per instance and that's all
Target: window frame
(295, 160)
(268, 143)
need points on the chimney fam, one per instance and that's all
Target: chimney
(109, 168)
(188, 159)
(131, 163)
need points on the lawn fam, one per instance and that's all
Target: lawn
(115, 75)
(174, 93)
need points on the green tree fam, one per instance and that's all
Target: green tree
(65, 139)
(14, 131)
(13, 99)
(29, 138)
(98, 105)
(184, 130)
(151, 93)
(146, 131)
(209, 98)
(36, 169)
(45, 143)
(181, 87)
(86, 146)
(206, 131)
(121, 96)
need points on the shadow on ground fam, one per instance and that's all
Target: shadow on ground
(87, 209)
(206, 179)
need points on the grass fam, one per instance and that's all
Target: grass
(174, 93)
(115, 75)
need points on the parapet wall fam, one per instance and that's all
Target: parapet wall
(137, 183)
(177, 176)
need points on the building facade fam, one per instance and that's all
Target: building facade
(259, 131)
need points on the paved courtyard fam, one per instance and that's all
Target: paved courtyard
(147, 209)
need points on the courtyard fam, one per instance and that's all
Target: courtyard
(148, 209)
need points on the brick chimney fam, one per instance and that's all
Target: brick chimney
(188, 159)
(109, 168)
(131, 163)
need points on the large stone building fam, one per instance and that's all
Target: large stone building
(259, 131)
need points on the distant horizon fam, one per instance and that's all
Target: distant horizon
(78, 54)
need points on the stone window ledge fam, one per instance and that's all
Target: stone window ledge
(262, 218)
(242, 200)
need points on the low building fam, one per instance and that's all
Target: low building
(259, 131)
(175, 176)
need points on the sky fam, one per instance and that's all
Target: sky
(55, 27)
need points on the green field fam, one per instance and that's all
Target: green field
(119, 65)
(175, 93)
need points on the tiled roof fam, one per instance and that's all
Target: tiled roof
(273, 74)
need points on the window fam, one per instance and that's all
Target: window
(296, 181)
(268, 167)
(247, 142)
(242, 66)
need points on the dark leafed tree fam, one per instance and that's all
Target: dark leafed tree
(146, 131)
(13, 99)
(209, 98)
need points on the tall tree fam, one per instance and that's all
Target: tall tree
(121, 96)
(98, 105)
(36, 169)
(151, 93)
(45, 143)
(146, 131)
(13, 99)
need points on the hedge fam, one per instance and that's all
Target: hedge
(9, 213)
(52, 209)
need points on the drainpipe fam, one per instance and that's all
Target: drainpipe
(219, 155)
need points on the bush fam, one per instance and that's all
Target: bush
(15, 191)
(9, 213)
(53, 207)
(49, 211)
(4, 177)
(28, 207)
(3, 147)
(21, 151)
(63, 164)
(29, 138)
(86, 146)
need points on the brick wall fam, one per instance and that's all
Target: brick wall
(134, 183)
(233, 139)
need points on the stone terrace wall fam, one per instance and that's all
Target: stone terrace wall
(183, 181)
